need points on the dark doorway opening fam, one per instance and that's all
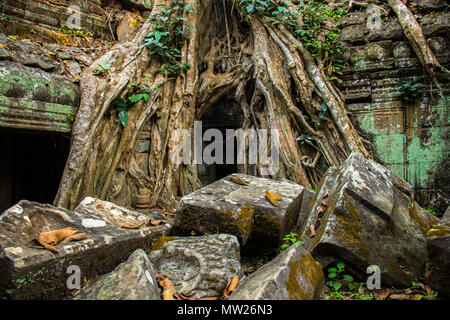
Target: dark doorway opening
(31, 165)
(226, 114)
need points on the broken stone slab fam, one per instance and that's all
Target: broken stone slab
(133, 279)
(292, 275)
(242, 210)
(364, 215)
(198, 266)
(30, 272)
(438, 256)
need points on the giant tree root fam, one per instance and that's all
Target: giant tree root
(275, 80)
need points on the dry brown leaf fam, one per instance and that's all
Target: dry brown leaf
(239, 181)
(313, 231)
(273, 198)
(231, 286)
(321, 210)
(168, 289)
(384, 293)
(135, 227)
(325, 195)
(75, 237)
(156, 223)
(47, 246)
(55, 236)
(428, 290)
(209, 298)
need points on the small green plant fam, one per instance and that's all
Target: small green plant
(6, 17)
(81, 32)
(135, 93)
(101, 70)
(410, 89)
(336, 277)
(434, 213)
(289, 240)
(306, 138)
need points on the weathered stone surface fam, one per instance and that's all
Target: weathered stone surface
(198, 266)
(228, 207)
(368, 220)
(131, 280)
(31, 98)
(30, 272)
(38, 14)
(292, 275)
(438, 256)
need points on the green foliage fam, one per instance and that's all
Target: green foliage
(101, 70)
(136, 93)
(306, 138)
(320, 29)
(168, 37)
(410, 90)
(338, 281)
(81, 32)
(289, 240)
(434, 213)
(336, 278)
(5, 17)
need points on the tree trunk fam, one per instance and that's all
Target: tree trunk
(275, 80)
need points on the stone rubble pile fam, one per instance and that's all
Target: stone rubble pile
(362, 215)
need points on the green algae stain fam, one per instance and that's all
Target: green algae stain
(159, 243)
(426, 154)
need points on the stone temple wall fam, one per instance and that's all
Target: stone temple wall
(409, 134)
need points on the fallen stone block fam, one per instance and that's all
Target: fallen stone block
(242, 210)
(30, 272)
(364, 215)
(133, 279)
(438, 257)
(198, 266)
(292, 275)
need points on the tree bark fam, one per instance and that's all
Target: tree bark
(276, 82)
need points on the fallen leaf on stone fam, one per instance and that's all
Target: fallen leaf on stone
(135, 226)
(55, 236)
(416, 297)
(384, 293)
(75, 237)
(273, 198)
(47, 246)
(168, 289)
(313, 231)
(231, 286)
(155, 223)
(239, 181)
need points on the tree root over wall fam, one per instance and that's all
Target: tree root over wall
(274, 79)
